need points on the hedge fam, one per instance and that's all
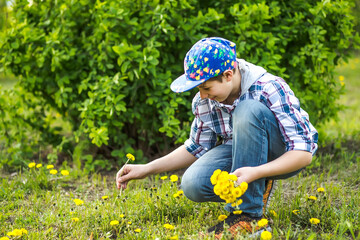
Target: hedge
(103, 68)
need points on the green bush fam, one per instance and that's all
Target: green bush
(106, 67)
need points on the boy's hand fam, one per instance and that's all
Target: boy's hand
(129, 172)
(246, 174)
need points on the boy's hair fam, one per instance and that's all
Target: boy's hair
(219, 77)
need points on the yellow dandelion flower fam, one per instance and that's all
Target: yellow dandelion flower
(130, 157)
(164, 177)
(312, 198)
(15, 233)
(237, 192)
(237, 212)
(24, 231)
(65, 172)
(244, 186)
(105, 197)
(75, 219)
(49, 166)
(4, 238)
(78, 202)
(263, 222)
(341, 78)
(32, 164)
(273, 213)
(137, 230)
(233, 177)
(53, 171)
(174, 178)
(129, 222)
(321, 189)
(296, 211)
(168, 226)
(39, 165)
(122, 215)
(174, 237)
(222, 218)
(214, 176)
(114, 222)
(314, 221)
(265, 235)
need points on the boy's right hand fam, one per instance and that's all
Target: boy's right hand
(129, 172)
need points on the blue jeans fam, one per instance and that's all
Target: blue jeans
(256, 141)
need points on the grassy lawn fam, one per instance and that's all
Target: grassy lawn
(43, 204)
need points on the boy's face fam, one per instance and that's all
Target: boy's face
(215, 90)
(219, 91)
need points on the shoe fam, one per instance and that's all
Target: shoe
(239, 224)
(243, 223)
(269, 190)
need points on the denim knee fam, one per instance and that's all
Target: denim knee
(250, 111)
(191, 188)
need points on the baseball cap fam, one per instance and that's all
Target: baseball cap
(208, 58)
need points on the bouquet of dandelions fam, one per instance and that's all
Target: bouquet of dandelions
(226, 187)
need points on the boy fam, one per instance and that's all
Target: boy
(265, 135)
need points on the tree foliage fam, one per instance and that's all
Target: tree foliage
(105, 67)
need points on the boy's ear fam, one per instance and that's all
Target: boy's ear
(228, 74)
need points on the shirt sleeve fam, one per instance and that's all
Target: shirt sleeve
(296, 130)
(202, 137)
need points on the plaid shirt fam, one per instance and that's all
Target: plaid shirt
(214, 119)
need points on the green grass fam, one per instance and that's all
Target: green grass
(43, 203)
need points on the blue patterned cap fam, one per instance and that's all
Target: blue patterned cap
(208, 58)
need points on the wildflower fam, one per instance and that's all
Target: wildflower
(174, 178)
(163, 177)
(314, 221)
(32, 164)
(105, 197)
(122, 215)
(75, 219)
(129, 222)
(222, 217)
(214, 177)
(263, 222)
(168, 226)
(296, 211)
(237, 203)
(312, 198)
(178, 194)
(273, 213)
(53, 171)
(341, 78)
(78, 202)
(137, 230)
(4, 238)
(320, 189)
(237, 212)
(174, 237)
(49, 166)
(130, 157)
(39, 165)
(265, 235)
(65, 172)
(114, 223)
(15, 233)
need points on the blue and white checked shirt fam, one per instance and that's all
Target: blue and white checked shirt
(297, 132)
